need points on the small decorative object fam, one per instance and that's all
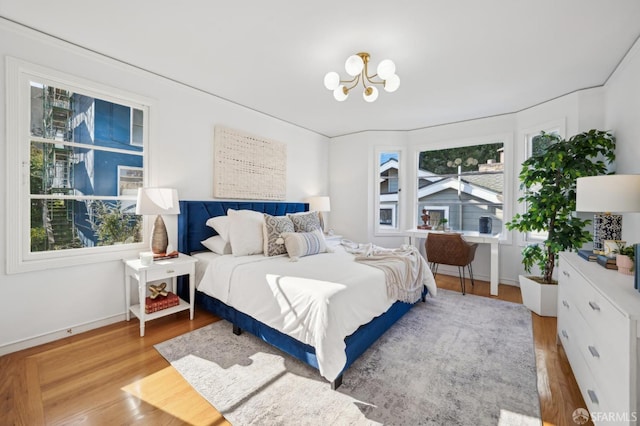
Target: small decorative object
(625, 256)
(146, 258)
(485, 225)
(610, 247)
(442, 224)
(157, 290)
(425, 220)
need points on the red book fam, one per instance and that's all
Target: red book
(161, 302)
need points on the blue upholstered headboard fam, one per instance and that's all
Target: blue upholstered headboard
(193, 216)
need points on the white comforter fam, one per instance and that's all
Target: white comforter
(318, 300)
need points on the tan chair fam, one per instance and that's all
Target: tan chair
(450, 249)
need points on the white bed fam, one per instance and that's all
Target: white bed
(318, 300)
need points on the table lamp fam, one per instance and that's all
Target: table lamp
(605, 194)
(320, 204)
(158, 201)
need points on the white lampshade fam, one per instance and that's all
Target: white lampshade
(157, 201)
(339, 94)
(372, 96)
(386, 69)
(608, 193)
(354, 65)
(332, 80)
(319, 204)
(392, 83)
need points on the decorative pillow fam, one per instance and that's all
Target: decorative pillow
(305, 222)
(272, 229)
(217, 245)
(245, 232)
(300, 244)
(221, 224)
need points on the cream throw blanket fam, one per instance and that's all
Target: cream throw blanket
(405, 270)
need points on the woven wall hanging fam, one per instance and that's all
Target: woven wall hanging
(248, 167)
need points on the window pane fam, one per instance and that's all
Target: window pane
(81, 147)
(65, 224)
(457, 186)
(71, 170)
(388, 190)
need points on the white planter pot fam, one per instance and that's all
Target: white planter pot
(540, 298)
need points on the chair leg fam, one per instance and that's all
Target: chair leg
(471, 275)
(434, 268)
(461, 275)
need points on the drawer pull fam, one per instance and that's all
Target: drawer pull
(594, 306)
(594, 352)
(566, 304)
(592, 396)
(170, 271)
(565, 334)
(566, 274)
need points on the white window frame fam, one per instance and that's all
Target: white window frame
(555, 126)
(397, 225)
(131, 127)
(19, 257)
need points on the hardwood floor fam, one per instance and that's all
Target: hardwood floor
(112, 376)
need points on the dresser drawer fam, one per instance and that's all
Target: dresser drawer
(607, 324)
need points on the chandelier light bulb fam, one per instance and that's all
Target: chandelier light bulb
(332, 80)
(386, 69)
(341, 93)
(392, 83)
(370, 94)
(354, 65)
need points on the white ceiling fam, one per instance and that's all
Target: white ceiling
(457, 60)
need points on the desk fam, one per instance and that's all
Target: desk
(472, 237)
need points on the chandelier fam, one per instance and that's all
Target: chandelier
(357, 66)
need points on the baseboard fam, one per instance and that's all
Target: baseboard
(57, 335)
(454, 273)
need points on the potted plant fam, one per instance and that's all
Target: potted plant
(548, 184)
(625, 258)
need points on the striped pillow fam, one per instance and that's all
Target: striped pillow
(300, 244)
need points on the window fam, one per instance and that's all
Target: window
(83, 146)
(535, 144)
(457, 186)
(388, 191)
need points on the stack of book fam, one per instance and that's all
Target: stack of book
(607, 262)
(588, 255)
(160, 303)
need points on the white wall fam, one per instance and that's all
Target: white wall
(622, 114)
(39, 306)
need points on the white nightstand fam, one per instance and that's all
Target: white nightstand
(158, 270)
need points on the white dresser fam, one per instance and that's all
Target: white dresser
(598, 314)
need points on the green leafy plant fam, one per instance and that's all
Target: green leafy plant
(548, 182)
(625, 250)
(112, 225)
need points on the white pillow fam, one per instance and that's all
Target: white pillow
(245, 232)
(221, 224)
(217, 245)
(300, 244)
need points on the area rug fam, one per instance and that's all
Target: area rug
(454, 360)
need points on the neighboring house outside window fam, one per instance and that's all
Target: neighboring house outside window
(388, 191)
(85, 151)
(459, 185)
